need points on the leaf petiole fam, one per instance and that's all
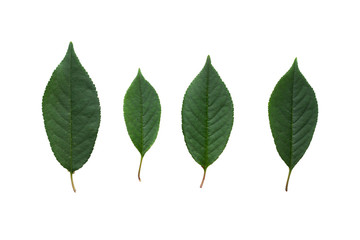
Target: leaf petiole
(287, 181)
(72, 182)
(202, 182)
(140, 168)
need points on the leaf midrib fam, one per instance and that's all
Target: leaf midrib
(291, 120)
(207, 116)
(71, 113)
(141, 119)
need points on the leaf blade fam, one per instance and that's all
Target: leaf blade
(207, 116)
(71, 112)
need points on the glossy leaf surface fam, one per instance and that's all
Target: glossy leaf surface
(71, 112)
(207, 116)
(293, 112)
(142, 114)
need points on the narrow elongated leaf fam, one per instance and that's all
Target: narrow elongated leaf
(207, 116)
(71, 112)
(293, 113)
(142, 115)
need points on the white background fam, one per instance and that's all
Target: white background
(252, 44)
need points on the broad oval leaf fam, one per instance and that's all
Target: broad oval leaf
(142, 115)
(71, 112)
(207, 116)
(293, 113)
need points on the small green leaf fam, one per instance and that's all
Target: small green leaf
(207, 116)
(293, 113)
(142, 115)
(71, 112)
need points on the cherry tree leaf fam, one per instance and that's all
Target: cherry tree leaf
(71, 112)
(293, 113)
(207, 117)
(142, 115)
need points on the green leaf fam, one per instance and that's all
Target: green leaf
(207, 116)
(71, 112)
(142, 114)
(293, 112)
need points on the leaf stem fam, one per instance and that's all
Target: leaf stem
(287, 181)
(72, 182)
(140, 168)
(202, 182)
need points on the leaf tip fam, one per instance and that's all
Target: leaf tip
(295, 62)
(139, 74)
(208, 59)
(70, 49)
(71, 45)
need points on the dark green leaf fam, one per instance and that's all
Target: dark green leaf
(71, 112)
(142, 114)
(207, 116)
(293, 112)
